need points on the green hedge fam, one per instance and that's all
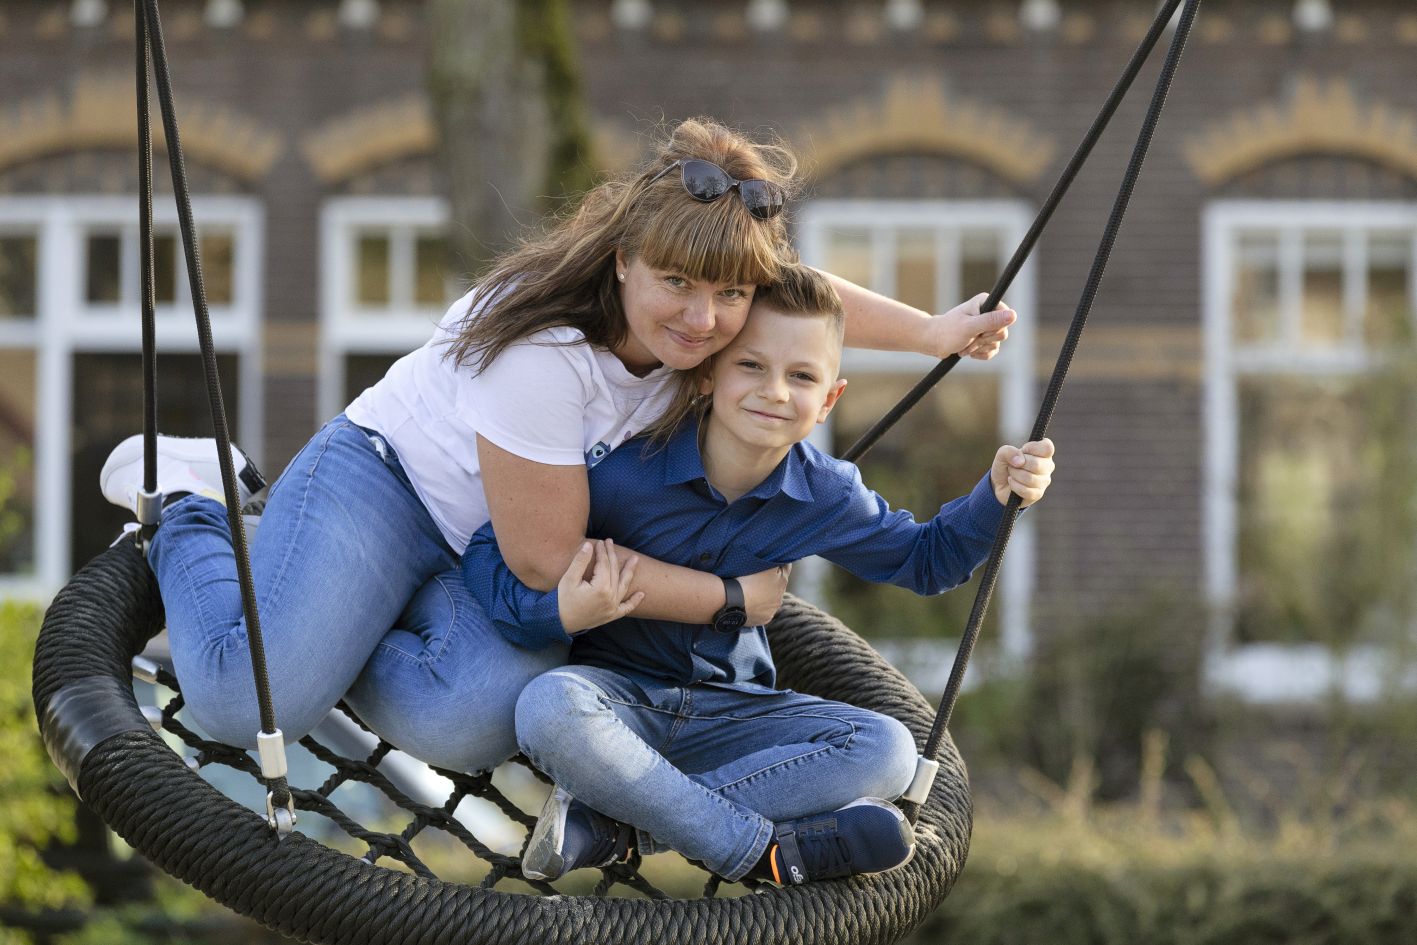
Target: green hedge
(1089, 882)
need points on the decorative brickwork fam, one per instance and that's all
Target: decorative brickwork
(917, 115)
(100, 114)
(1320, 118)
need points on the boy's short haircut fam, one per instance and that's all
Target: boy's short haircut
(802, 290)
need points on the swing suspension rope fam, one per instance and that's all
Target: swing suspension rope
(281, 799)
(148, 28)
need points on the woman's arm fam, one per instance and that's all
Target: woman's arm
(883, 324)
(540, 512)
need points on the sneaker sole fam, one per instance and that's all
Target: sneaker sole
(186, 448)
(543, 859)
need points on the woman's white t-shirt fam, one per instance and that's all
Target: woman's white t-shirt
(552, 398)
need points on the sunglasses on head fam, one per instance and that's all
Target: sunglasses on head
(707, 182)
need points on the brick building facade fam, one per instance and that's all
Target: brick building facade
(1267, 261)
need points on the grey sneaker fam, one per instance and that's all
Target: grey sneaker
(866, 836)
(569, 835)
(184, 464)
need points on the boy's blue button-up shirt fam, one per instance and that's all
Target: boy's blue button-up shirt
(660, 503)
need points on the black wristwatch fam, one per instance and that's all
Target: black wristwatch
(732, 616)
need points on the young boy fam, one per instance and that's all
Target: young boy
(677, 729)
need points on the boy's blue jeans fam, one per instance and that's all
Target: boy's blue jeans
(359, 598)
(703, 769)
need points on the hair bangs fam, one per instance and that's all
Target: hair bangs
(714, 242)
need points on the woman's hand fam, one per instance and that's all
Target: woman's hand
(964, 331)
(1026, 471)
(596, 587)
(762, 593)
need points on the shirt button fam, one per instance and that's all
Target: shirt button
(705, 556)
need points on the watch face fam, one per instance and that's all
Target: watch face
(730, 621)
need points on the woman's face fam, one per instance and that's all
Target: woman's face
(675, 320)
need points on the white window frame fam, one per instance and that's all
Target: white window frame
(66, 323)
(1014, 365)
(345, 327)
(1275, 673)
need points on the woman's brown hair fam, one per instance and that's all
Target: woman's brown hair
(567, 276)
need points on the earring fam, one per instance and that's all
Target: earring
(620, 276)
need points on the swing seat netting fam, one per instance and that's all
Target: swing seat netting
(155, 801)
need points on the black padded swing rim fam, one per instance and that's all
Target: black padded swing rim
(305, 890)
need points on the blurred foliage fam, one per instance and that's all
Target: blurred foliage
(545, 34)
(1092, 691)
(1078, 874)
(17, 511)
(1328, 506)
(178, 915)
(37, 809)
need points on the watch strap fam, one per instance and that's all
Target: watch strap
(732, 594)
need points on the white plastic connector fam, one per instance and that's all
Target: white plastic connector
(148, 507)
(919, 790)
(145, 670)
(271, 747)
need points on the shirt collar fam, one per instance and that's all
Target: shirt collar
(683, 463)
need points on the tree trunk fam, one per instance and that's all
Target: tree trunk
(506, 103)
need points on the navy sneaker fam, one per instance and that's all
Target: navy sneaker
(569, 835)
(184, 464)
(866, 836)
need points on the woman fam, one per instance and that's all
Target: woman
(570, 346)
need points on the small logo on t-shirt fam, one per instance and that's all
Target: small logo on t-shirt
(595, 454)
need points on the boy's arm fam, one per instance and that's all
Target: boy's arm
(524, 616)
(595, 590)
(888, 546)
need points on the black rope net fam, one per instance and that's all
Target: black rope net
(300, 887)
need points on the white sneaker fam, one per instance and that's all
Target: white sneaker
(184, 464)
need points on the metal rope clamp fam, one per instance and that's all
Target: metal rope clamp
(271, 747)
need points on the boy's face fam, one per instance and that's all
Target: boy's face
(777, 379)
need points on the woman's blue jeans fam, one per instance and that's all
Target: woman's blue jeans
(359, 598)
(705, 770)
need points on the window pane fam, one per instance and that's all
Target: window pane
(362, 371)
(1321, 320)
(218, 265)
(849, 255)
(1256, 300)
(1389, 317)
(938, 451)
(108, 406)
(1325, 492)
(103, 275)
(915, 269)
(430, 255)
(979, 264)
(372, 270)
(18, 269)
(17, 442)
(165, 268)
